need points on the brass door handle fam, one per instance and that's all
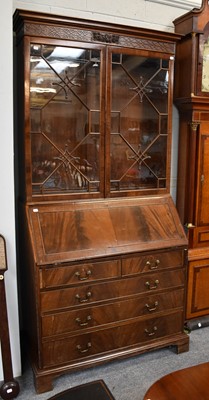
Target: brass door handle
(85, 299)
(83, 277)
(151, 333)
(79, 348)
(84, 323)
(152, 308)
(153, 264)
(156, 283)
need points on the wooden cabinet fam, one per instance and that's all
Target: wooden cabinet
(103, 253)
(192, 100)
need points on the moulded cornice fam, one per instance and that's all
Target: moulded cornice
(185, 4)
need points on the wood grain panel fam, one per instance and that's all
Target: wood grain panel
(198, 294)
(113, 290)
(97, 343)
(188, 383)
(76, 231)
(80, 273)
(94, 317)
(154, 261)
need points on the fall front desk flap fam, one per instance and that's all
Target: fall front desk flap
(62, 232)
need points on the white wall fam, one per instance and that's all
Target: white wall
(7, 225)
(154, 14)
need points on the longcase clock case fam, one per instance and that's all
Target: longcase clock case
(192, 100)
(102, 250)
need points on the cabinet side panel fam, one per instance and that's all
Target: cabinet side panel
(182, 86)
(182, 182)
(28, 284)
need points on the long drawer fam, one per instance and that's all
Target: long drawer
(57, 352)
(98, 292)
(93, 317)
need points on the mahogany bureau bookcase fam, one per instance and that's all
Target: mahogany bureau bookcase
(102, 250)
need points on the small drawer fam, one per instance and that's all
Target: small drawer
(81, 347)
(73, 274)
(93, 317)
(83, 295)
(151, 262)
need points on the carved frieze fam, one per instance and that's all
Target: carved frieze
(85, 35)
(58, 31)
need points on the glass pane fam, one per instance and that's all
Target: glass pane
(139, 122)
(65, 119)
(205, 68)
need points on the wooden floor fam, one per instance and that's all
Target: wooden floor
(189, 383)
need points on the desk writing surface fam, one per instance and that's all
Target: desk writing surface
(76, 231)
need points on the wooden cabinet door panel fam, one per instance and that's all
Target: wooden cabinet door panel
(154, 261)
(86, 294)
(203, 195)
(57, 352)
(93, 317)
(201, 237)
(198, 293)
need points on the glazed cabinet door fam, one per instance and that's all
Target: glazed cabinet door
(66, 119)
(139, 121)
(99, 121)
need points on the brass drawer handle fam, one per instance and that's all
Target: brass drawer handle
(156, 283)
(84, 323)
(153, 264)
(83, 277)
(79, 348)
(151, 333)
(85, 299)
(152, 308)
